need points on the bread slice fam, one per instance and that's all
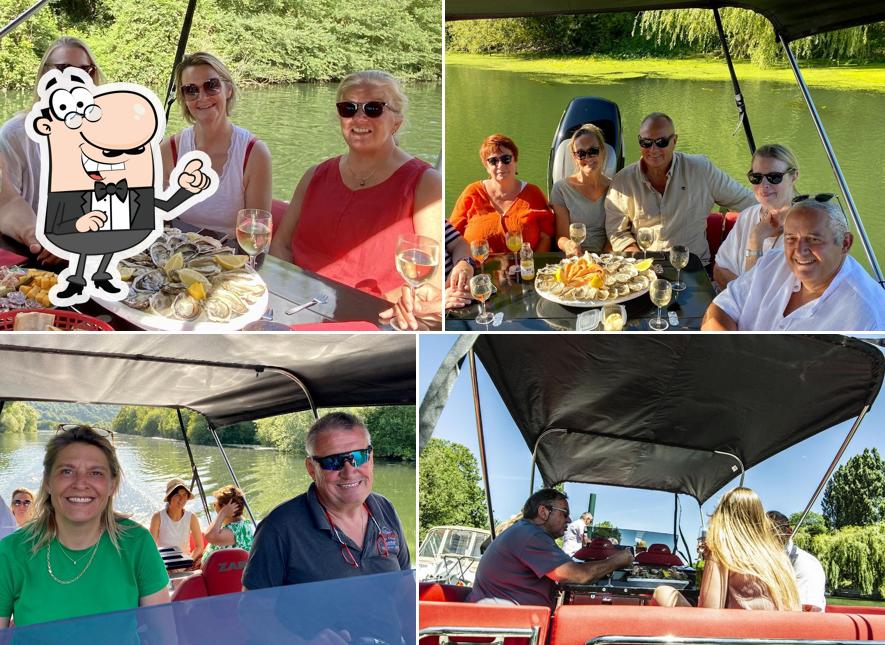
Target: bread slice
(33, 321)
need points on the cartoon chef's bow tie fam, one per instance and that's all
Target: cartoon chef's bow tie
(120, 189)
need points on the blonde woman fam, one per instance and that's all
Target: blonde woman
(206, 93)
(746, 566)
(20, 155)
(580, 197)
(78, 556)
(22, 505)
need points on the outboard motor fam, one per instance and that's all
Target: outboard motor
(586, 109)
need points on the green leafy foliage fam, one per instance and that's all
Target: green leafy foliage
(393, 430)
(18, 417)
(52, 413)
(449, 487)
(814, 524)
(163, 422)
(855, 495)
(605, 530)
(853, 557)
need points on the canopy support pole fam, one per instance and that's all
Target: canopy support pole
(738, 96)
(737, 459)
(832, 467)
(179, 53)
(232, 473)
(482, 443)
(535, 455)
(675, 522)
(195, 475)
(834, 163)
(294, 378)
(24, 15)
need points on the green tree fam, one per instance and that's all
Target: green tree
(393, 430)
(853, 557)
(814, 523)
(855, 495)
(285, 432)
(18, 417)
(606, 530)
(449, 487)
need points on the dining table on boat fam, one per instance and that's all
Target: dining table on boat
(519, 307)
(288, 286)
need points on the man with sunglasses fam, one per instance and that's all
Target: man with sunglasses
(668, 191)
(339, 527)
(522, 564)
(812, 284)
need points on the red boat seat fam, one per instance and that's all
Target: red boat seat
(719, 225)
(855, 609)
(598, 549)
(659, 555)
(277, 209)
(580, 623)
(222, 573)
(442, 593)
(466, 615)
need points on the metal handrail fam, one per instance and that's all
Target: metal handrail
(703, 640)
(499, 633)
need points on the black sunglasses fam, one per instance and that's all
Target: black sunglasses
(211, 87)
(89, 69)
(504, 159)
(372, 109)
(820, 197)
(592, 151)
(74, 427)
(355, 458)
(21, 502)
(773, 178)
(660, 142)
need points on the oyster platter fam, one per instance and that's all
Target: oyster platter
(593, 280)
(188, 281)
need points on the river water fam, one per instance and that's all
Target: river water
(527, 107)
(268, 477)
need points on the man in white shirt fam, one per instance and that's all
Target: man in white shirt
(812, 284)
(669, 192)
(575, 536)
(810, 577)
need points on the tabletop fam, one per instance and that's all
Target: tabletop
(522, 308)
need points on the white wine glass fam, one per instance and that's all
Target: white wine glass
(577, 232)
(417, 257)
(660, 292)
(479, 251)
(481, 289)
(254, 230)
(514, 243)
(679, 259)
(645, 238)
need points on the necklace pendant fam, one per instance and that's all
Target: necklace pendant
(362, 183)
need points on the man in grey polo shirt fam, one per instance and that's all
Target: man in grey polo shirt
(339, 527)
(521, 566)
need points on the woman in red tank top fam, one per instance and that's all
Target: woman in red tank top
(347, 212)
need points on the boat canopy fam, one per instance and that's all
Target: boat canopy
(227, 378)
(652, 411)
(792, 19)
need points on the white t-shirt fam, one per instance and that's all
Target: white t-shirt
(730, 255)
(810, 577)
(756, 300)
(572, 541)
(174, 533)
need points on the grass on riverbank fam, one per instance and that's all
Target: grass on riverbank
(584, 69)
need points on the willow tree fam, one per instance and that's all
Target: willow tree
(853, 557)
(749, 34)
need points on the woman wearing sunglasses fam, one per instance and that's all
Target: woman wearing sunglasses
(78, 556)
(580, 197)
(20, 156)
(348, 212)
(760, 227)
(207, 94)
(487, 209)
(22, 505)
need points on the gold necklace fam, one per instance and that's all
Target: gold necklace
(79, 575)
(362, 182)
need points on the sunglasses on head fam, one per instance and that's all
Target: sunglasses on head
(503, 159)
(660, 142)
(372, 109)
(820, 197)
(592, 151)
(89, 69)
(73, 427)
(355, 458)
(192, 90)
(773, 178)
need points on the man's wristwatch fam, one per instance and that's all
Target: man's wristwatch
(749, 253)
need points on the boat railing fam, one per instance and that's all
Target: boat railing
(682, 640)
(497, 634)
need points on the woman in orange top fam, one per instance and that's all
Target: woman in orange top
(488, 208)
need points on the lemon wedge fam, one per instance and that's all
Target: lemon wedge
(174, 263)
(189, 277)
(229, 262)
(597, 282)
(644, 265)
(558, 275)
(197, 291)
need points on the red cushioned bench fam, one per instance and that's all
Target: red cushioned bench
(472, 623)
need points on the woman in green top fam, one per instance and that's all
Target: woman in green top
(229, 530)
(78, 556)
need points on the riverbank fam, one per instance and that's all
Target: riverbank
(589, 69)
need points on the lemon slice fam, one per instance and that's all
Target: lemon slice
(189, 277)
(558, 275)
(597, 281)
(644, 265)
(229, 262)
(174, 263)
(197, 291)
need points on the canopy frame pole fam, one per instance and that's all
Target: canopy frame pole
(832, 467)
(24, 15)
(738, 96)
(231, 470)
(675, 522)
(535, 454)
(481, 438)
(295, 378)
(179, 53)
(195, 475)
(834, 163)
(2, 405)
(737, 459)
